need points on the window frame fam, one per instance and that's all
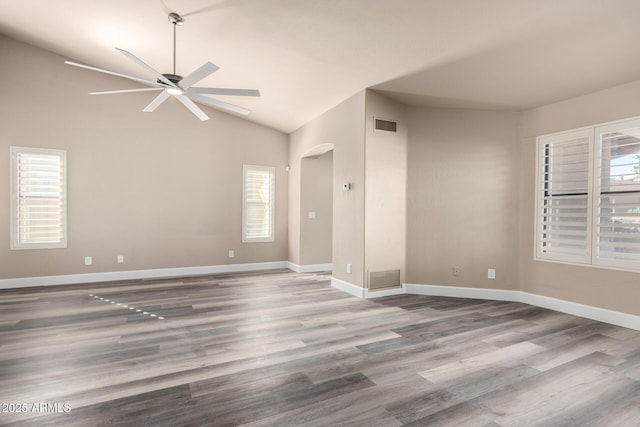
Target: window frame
(16, 242)
(271, 203)
(594, 192)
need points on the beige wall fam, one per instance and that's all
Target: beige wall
(386, 187)
(610, 289)
(463, 197)
(317, 197)
(343, 127)
(163, 189)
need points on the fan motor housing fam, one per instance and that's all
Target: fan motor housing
(173, 78)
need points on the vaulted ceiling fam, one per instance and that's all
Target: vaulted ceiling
(306, 56)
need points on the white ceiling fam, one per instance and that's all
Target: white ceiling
(306, 56)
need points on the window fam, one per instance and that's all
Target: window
(588, 196)
(258, 204)
(38, 198)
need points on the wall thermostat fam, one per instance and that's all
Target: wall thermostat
(346, 186)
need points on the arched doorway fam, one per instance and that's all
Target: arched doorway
(316, 207)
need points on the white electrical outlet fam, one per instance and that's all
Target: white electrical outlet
(120, 259)
(491, 273)
(88, 260)
(312, 215)
(349, 268)
(231, 253)
(457, 271)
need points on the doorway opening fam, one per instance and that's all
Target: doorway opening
(316, 207)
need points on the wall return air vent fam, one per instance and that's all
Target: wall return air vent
(385, 125)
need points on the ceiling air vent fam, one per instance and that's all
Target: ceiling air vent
(386, 125)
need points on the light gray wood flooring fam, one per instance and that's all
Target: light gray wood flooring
(279, 348)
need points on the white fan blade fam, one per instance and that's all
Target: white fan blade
(157, 101)
(219, 104)
(199, 74)
(224, 91)
(193, 107)
(146, 67)
(89, 67)
(109, 92)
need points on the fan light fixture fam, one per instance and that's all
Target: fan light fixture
(180, 87)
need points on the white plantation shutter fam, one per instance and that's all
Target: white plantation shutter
(38, 202)
(617, 218)
(258, 204)
(588, 204)
(564, 209)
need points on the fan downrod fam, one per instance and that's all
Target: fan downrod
(176, 20)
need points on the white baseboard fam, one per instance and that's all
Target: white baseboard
(462, 292)
(71, 279)
(310, 268)
(347, 287)
(369, 294)
(364, 293)
(587, 311)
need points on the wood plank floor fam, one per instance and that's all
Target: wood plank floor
(280, 348)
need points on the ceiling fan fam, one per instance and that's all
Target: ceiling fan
(175, 85)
